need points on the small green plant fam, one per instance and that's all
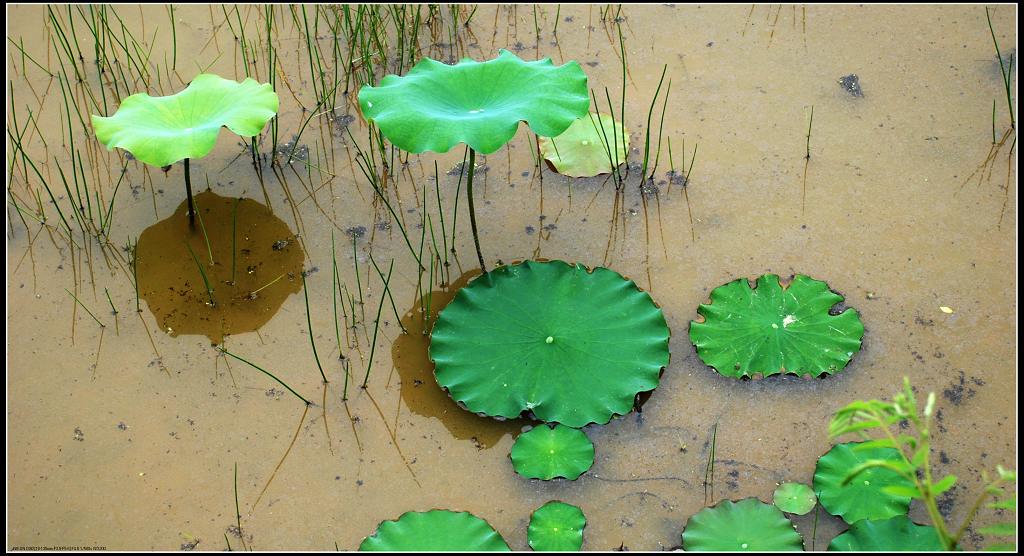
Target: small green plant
(435, 106)
(160, 131)
(906, 429)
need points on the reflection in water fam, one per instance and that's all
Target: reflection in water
(256, 261)
(420, 391)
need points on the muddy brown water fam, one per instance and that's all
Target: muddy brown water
(127, 437)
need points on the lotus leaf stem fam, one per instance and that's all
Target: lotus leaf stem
(472, 212)
(188, 190)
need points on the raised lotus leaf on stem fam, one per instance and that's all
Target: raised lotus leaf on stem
(435, 531)
(556, 527)
(587, 148)
(868, 494)
(546, 452)
(571, 346)
(436, 106)
(163, 130)
(160, 131)
(894, 534)
(748, 525)
(769, 329)
(795, 498)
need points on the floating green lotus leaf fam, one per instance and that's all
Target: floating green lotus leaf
(865, 496)
(795, 498)
(163, 130)
(896, 534)
(769, 329)
(435, 531)
(571, 346)
(556, 527)
(437, 106)
(546, 452)
(585, 148)
(749, 525)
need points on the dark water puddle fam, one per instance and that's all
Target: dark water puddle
(256, 261)
(420, 391)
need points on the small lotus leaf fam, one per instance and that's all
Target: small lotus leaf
(546, 452)
(163, 130)
(585, 148)
(865, 496)
(795, 498)
(749, 525)
(768, 329)
(895, 534)
(435, 531)
(556, 527)
(570, 345)
(437, 106)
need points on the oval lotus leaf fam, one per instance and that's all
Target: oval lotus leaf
(437, 106)
(546, 452)
(795, 498)
(556, 527)
(770, 329)
(435, 531)
(749, 525)
(571, 346)
(865, 496)
(163, 130)
(896, 534)
(585, 148)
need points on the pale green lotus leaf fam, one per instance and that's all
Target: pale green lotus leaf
(163, 130)
(587, 147)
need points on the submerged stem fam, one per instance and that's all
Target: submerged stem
(188, 190)
(472, 212)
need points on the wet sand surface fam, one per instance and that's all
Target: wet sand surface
(127, 437)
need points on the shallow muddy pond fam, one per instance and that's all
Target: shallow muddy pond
(136, 416)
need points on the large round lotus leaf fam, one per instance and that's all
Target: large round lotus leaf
(865, 496)
(795, 498)
(556, 527)
(546, 452)
(437, 106)
(770, 330)
(163, 130)
(571, 346)
(435, 531)
(584, 149)
(896, 534)
(749, 525)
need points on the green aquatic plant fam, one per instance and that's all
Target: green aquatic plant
(160, 131)
(556, 527)
(769, 329)
(569, 345)
(877, 492)
(748, 525)
(435, 531)
(903, 431)
(795, 498)
(585, 148)
(436, 106)
(894, 534)
(546, 452)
